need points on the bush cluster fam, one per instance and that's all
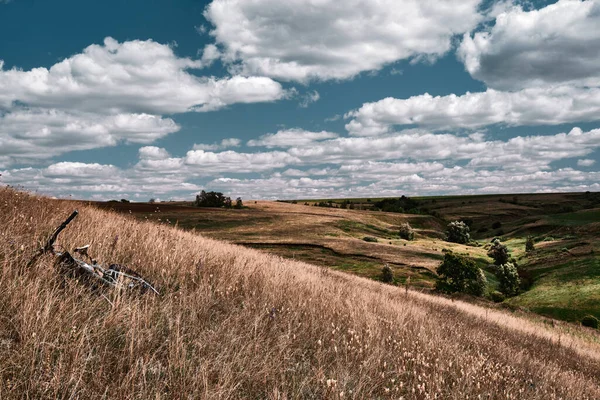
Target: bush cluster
(458, 232)
(460, 274)
(406, 232)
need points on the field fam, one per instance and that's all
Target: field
(233, 322)
(563, 268)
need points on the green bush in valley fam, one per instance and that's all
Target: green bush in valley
(498, 252)
(591, 321)
(387, 274)
(406, 232)
(529, 244)
(509, 279)
(460, 274)
(458, 232)
(370, 239)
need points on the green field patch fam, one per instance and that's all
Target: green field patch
(578, 218)
(349, 226)
(568, 291)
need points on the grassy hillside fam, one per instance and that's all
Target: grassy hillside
(321, 236)
(565, 226)
(235, 323)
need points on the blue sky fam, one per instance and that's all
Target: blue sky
(299, 99)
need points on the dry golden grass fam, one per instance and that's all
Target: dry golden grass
(236, 323)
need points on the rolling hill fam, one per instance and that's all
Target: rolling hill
(233, 322)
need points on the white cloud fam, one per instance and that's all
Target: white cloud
(585, 162)
(290, 138)
(224, 144)
(78, 170)
(109, 94)
(231, 161)
(331, 39)
(411, 162)
(309, 98)
(527, 153)
(134, 76)
(27, 135)
(153, 153)
(557, 44)
(532, 106)
(210, 54)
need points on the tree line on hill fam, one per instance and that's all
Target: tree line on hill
(216, 200)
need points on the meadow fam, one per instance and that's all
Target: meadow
(563, 268)
(235, 323)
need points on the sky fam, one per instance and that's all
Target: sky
(298, 99)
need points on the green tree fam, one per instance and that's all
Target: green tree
(499, 252)
(458, 232)
(212, 199)
(508, 277)
(460, 274)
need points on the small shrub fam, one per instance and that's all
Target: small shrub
(590, 321)
(406, 231)
(387, 274)
(497, 297)
(529, 244)
(458, 232)
(239, 204)
(497, 225)
(370, 239)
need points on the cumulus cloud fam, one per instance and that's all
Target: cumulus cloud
(410, 162)
(329, 39)
(291, 138)
(27, 135)
(135, 76)
(522, 152)
(232, 161)
(455, 180)
(532, 106)
(223, 144)
(586, 162)
(108, 94)
(153, 153)
(557, 44)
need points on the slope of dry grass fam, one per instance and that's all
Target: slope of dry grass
(236, 323)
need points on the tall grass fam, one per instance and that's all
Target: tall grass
(236, 323)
